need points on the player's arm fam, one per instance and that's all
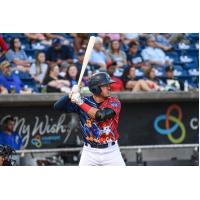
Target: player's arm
(64, 104)
(101, 114)
(94, 113)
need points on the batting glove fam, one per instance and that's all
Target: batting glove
(76, 98)
(74, 90)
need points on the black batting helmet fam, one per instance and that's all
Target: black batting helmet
(97, 80)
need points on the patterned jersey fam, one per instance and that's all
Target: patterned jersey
(93, 131)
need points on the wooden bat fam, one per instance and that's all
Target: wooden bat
(86, 58)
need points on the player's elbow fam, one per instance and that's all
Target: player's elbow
(60, 104)
(104, 114)
(57, 106)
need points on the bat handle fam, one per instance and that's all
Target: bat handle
(79, 84)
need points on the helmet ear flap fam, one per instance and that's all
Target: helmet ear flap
(95, 90)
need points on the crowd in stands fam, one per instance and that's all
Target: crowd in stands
(49, 62)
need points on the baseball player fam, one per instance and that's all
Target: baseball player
(99, 116)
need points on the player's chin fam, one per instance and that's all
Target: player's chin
(108, 94)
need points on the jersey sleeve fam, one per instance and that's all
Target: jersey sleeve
(64, 104)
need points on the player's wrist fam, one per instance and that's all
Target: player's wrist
(85, 107)
(80, 102)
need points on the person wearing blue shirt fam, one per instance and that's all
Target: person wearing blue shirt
(8, 79)
(10, 137)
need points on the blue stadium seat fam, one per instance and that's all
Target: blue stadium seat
(30, 52)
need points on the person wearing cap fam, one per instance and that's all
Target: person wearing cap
(10, 80)
(118, 85)
(59, 53)
(171, 83)
(79, 63)
(99, 118)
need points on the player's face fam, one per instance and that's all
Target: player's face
(105, 90)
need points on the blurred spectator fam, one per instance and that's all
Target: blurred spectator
(134, 57)
(154, 55)
(106, 43)
(35, 36)
(171, 83)
(99, 57)
(63, 69)
(40, 39)
(72, 75)
(116, 54)
(16, 56)
(132, 83)
(151, 79)
(177, 38)
(10, 80)
(54, 82)
(3, 90)
(111, 36)
(3, 49)
(79, 62)
(80, 40)
(128, 37)
(89, 70)
(1, 159)
(10, 137)
(59, 53)
(38, 69)
(118, 85)
(162, 41)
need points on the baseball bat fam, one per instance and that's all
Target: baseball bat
(86, 58)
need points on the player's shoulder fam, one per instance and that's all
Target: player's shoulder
(113, 101)
(89, 100)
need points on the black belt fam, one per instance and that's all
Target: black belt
(99, 146)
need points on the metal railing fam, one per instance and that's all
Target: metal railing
(72, 149)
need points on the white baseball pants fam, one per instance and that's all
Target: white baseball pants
(110, 156)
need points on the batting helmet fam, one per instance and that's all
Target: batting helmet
(97, 80)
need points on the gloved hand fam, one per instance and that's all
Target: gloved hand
(76, 98)
(75, 89)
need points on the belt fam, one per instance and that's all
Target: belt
(100, 146)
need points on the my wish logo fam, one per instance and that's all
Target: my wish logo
(176, 124)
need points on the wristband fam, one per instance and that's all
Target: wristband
(85, 107)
